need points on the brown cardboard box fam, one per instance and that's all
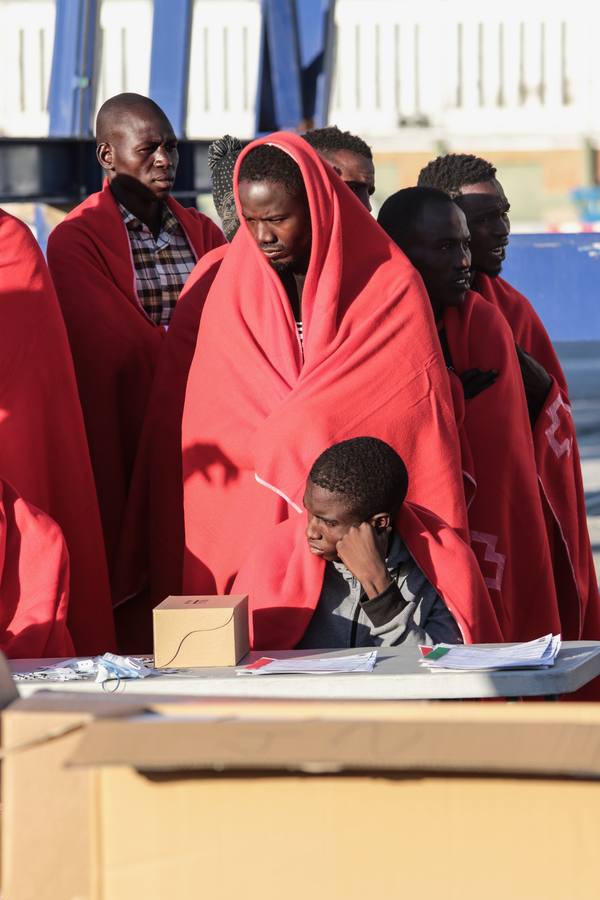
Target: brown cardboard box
(191, 632)
(345, 800)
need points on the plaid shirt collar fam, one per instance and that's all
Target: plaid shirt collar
(168, 225)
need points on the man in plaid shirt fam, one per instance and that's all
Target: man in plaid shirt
(162, 262)
(119, 261)
(144, 158)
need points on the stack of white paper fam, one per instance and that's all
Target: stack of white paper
(312, 665)
(532, 655)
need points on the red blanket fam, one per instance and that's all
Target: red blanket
(506, 518)
(559, 472)
(115, 345)
(151, 547)
(283, 579)
(43, 449)
(526, 325)
(257, 414)
(34, 581)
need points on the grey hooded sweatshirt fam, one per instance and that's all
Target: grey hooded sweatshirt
(408, 612)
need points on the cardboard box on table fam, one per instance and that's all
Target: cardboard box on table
(196, 631)
(271, 800)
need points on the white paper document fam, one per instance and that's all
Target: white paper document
(312, 665)
(536, 654)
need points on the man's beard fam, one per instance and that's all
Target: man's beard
(282, 267)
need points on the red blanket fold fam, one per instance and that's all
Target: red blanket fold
(526, 325)
(559, 473)
(151, 546)
(43, 448)
(506, 518)
(34, 581)
(283, 579)
(115, 345)
(256, 415)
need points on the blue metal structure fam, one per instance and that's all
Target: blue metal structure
(70, 100)
(295, 64)
(560, 274)
(316, 28)
(170, 59)
(280, 88)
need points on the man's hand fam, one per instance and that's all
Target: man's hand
(474, 381)
(361, 551)
(536, 381)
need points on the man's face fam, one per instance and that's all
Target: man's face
(439, 249)
(279, 223)
(142, 153)
(486, 209)
(329, 519)
(356, 171)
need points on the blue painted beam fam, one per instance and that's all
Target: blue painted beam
(70, 100)
(279, 103)
(296, 64)
(560, 275)
(170, 59)
(316, 24)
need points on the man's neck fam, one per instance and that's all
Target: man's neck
(293, 283)
(438, 311)
(149, 212)
(479, 273)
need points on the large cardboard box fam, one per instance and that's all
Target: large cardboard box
(301, 800)
(196, 631)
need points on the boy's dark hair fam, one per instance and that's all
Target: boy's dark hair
(365, 470)
(451, 172)
(332, 139)
(403, 209)
(268, 163)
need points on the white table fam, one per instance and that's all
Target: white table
(397, 676)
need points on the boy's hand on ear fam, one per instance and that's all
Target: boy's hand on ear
(360, 552)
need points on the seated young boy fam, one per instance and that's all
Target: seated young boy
(374, 593)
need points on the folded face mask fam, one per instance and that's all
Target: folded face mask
(108, 667)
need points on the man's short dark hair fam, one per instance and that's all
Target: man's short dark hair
(402, 211)
(451, 172)
(331, 139)
(367, 471)
(268, 163)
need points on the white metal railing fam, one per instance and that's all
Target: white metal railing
(224, 55)
(26, 41)
(123, 48)
(522, 67)
(445, 67)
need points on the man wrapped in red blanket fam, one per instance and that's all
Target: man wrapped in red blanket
(119, 261)
(472, 183)
(315, 329)
(151, 552)
(506, 516)
(43, 449)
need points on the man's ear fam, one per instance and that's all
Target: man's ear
(381, 521)
(104, 155)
